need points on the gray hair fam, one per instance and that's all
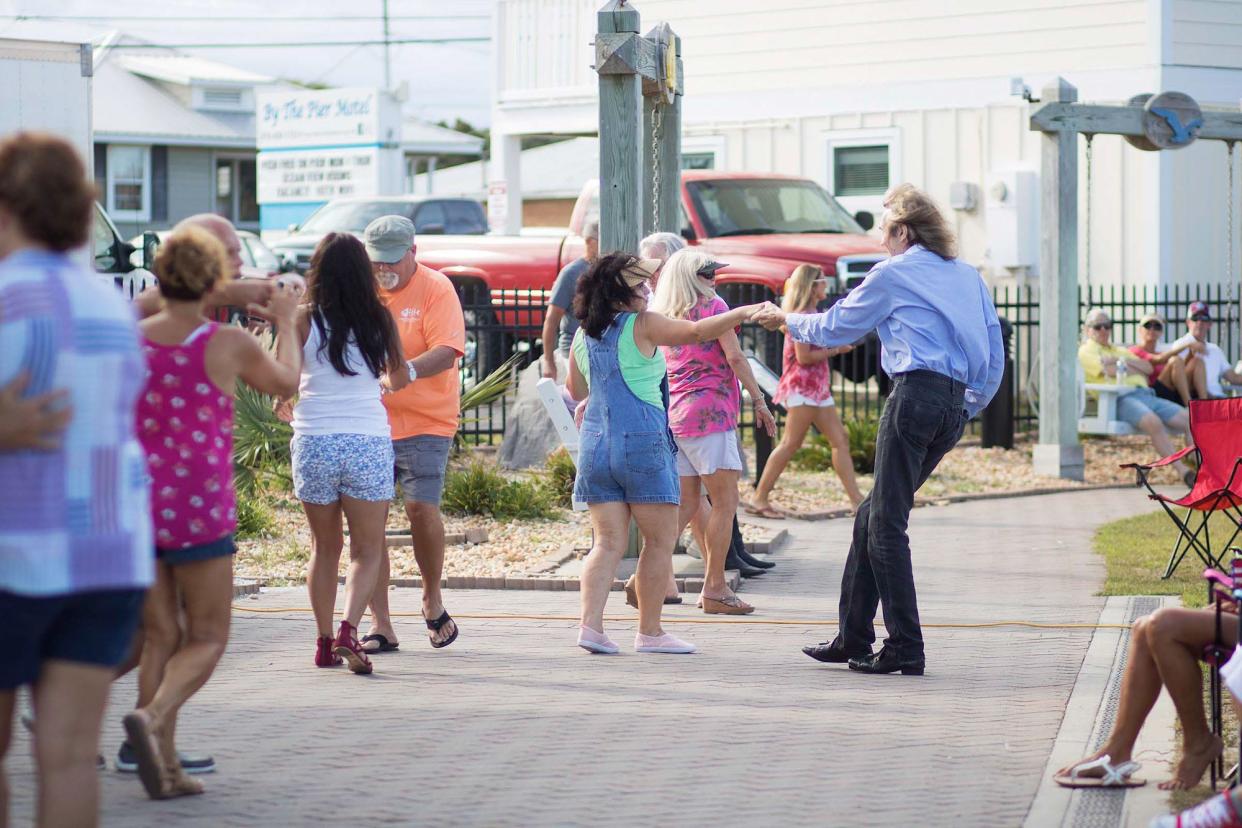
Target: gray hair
(590, 229)
(660, 246)
(1094, 316)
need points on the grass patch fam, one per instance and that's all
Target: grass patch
(1136, 551)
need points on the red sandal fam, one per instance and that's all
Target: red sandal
(324, 657)
(348, 647)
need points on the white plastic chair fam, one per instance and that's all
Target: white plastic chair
(1104, 420)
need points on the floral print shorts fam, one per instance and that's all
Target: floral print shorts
(326, 466)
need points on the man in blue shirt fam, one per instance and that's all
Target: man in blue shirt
(558, 317)
(941, 342)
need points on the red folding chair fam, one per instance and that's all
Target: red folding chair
(1216, 434)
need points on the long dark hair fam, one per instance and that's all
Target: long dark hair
(345, 300)
(601, 292)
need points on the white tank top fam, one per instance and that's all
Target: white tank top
(332, 403)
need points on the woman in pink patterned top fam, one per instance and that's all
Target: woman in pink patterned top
(704, 404)
(805, 390)
(185, 423)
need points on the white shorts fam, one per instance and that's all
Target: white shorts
(795, 398)
(699, 456)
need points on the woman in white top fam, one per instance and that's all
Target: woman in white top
(342, 447)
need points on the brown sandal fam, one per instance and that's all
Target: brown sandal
(727, 606)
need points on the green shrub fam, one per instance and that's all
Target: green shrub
(481, 490)
(254, 517)
(560, 478)
(863, 434)
(260, 443)
(815, 454)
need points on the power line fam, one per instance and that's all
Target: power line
(296, 44)
(263, 17)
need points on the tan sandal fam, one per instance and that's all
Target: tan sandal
(727, 606)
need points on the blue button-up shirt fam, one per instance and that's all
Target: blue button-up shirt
(929, 313)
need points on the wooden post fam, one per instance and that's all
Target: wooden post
(620, 141)
(667, 155)
(1058, 452)
(670, 156)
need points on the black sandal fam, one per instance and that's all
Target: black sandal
(385, 646)
(435, 626)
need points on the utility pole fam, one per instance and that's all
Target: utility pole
(387, 64)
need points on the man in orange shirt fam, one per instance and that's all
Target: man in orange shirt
(423, 415)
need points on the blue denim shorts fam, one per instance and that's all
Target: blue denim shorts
(420, 464)
(326, 466)
(93, 628)
(639, 467)
(1134, 406)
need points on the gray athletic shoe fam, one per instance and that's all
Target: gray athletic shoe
(127, 761)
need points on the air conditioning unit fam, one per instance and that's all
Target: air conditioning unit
(1011, 209)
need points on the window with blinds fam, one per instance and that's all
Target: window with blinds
(860, 171)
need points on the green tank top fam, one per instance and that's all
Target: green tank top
(642, 374)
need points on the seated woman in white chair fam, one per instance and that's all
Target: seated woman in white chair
(1102, 361)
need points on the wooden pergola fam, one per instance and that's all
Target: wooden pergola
(1162, 122)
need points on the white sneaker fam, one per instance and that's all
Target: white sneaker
(662, 644)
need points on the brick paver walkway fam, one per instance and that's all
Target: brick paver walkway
(513, 725)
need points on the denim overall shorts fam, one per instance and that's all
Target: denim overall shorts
(626, 452)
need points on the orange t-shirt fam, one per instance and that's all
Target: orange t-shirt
(428, 315)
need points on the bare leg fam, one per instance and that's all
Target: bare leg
(161, 627)
(611, 524)
(1178, 637)
(722, 490)
(658, 523)
(797, 423)
(1151, 426)
(1196, 369)
(69, 701)
(381, 616)
(8, 702)
(1174, 376)
(1140, 687)
(327, 538)
(427, 530)
(366, 545)
(829, 423)
(207, 587)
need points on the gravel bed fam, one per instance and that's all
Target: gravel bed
(520, 547)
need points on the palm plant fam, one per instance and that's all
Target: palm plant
(260, 442)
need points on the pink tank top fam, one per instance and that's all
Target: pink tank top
(185, 423)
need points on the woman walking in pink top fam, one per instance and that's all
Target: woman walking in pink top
(185, 424)
(704, 404)
(805, 390)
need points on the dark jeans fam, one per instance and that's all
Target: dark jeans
(923, 419)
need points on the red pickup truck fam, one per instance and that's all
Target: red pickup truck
(763, 225)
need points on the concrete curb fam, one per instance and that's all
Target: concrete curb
(966, 498)
(1081, 728)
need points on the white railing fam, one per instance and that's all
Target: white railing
(544, 49)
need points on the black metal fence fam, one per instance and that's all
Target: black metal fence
(505, 322)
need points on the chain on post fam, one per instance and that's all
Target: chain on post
(1229, 275)
(657, 117)
(1089, 136)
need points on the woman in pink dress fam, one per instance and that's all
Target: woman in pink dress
(704, 404)
(805, 390)
(185, 425)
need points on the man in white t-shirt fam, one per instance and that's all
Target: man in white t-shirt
(1197, 351)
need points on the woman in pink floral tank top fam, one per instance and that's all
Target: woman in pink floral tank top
(805, 390)
(185, 424)
(704, 404)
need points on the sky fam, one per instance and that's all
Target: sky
(446, 81)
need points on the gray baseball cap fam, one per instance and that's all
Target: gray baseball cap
(388, 238)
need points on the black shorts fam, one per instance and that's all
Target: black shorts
(1164, 392)
(94, 628)
(202, 552)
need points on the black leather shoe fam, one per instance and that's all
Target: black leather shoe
(833, 652)
(743, 569)
(885, 661)
(751, 560)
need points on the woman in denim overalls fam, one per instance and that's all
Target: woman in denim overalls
(626, 465)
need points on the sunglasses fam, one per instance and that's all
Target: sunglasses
(1102, 326)
(1154, 326)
